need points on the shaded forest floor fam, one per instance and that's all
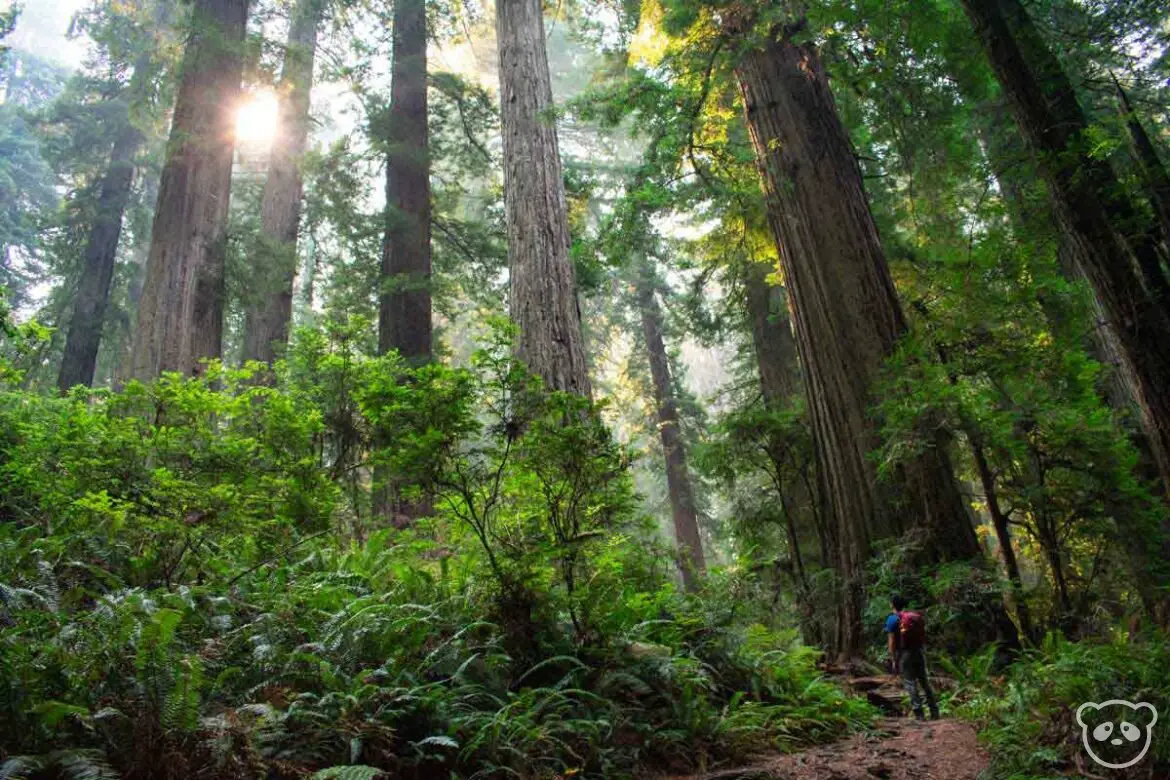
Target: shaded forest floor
(897, 749)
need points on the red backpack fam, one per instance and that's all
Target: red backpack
(912, 627)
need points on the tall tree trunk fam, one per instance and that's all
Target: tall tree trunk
(678, 478)
(1089, 203)
(776, 360)
(180, 317)
(543, 297)
(101, 250)
(848, 319)
(267, 316)
(404, 310)
(1156, 176)
(404, 315)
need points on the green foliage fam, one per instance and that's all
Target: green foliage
(1028, 715)
(189, 569)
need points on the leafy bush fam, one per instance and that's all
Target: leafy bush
(193, 584)
(1028, 716)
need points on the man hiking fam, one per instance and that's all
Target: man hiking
(905, 640)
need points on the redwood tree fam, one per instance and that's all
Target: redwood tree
(269, 310)
(847, 316)
(180, 315)
(101, 249)
(404, 314)
(1091, 206)
(543, 297)
(678, 477)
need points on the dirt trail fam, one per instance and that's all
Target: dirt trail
(898, 749)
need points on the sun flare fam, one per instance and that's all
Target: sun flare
(256, 118)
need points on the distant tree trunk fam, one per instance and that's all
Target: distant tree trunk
(1156, 176)
(180, 317)
(101, 250)
(543, 297)
(1090, 205)
(268, 312)
(776, 359)
(404, 311)
(772, 338)
(404, 317)
(848, 319)
(1003, 535)
(678, 478)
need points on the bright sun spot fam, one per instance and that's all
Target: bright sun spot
(256, 117)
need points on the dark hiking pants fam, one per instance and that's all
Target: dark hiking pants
(913, 666)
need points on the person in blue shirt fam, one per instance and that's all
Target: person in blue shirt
(905, 641)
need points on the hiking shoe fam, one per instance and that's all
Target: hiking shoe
(934, 715)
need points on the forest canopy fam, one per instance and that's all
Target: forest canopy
(464, 389)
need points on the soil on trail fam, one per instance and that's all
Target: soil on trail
(898, 749)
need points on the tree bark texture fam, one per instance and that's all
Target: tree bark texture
(404, 315)
(847, 318)
(269, 308)
(101, 250)
(678, 478)
(543, 298)
(180, 316)
(1090, 206)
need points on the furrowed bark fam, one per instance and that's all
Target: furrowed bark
(269, 309)
(847, 318)
(678, 478)
(180, 317)
(1090, 206)
(543, 298)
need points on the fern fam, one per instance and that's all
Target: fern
(358, 772)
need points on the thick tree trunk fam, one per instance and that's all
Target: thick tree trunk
(543, 298)
(269, 309)
(1089, 204)
(180, 317)
(101, 250)
(848, 319)
(404, 316)
(678, 478)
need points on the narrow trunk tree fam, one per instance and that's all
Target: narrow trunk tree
(101, 250)
(268, 313)
(678, 477)
(543, 297)
(1090, 205)
(776, 360)
(772, 338)
(1157, 178)
(180, 316)
(1003, 535)
(848, 319)
(404, 310)
(404, 314)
